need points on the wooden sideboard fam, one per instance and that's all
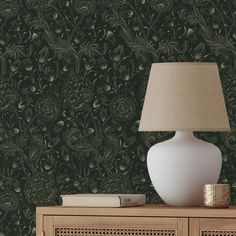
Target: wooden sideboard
(148, 220)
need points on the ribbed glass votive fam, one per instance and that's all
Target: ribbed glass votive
(216, 195)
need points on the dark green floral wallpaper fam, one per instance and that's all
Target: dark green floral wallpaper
(73, 74)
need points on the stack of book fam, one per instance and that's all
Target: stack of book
(103, 200)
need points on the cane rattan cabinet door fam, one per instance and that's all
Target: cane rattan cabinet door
(114, 226)
(212, 227)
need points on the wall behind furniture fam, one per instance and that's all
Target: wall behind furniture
(73, 75)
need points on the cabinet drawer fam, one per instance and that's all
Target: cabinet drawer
(114, 226)
(212, 227)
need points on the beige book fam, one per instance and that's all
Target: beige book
(103, 200)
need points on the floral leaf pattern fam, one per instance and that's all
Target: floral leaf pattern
(73, 76)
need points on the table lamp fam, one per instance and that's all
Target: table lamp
(184, 97)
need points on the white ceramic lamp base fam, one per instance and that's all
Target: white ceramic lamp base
(180, 167)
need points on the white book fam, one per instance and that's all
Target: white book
(103, 200)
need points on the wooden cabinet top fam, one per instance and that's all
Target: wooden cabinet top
(140, 211)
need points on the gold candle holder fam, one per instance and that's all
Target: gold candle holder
(216, 195)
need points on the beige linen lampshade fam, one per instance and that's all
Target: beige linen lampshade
(184, 96)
